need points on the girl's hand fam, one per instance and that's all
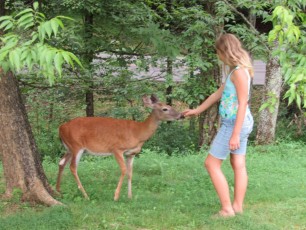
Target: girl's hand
(234, 142)
(190, 112)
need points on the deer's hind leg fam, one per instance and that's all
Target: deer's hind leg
(63, 162)
(74, 170)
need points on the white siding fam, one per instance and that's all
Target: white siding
(158, 73)
(259, 72)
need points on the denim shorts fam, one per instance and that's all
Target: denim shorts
(220, 145)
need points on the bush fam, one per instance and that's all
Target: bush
(172, 138)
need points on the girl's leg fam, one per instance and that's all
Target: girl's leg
(213, 166)
(241, 181)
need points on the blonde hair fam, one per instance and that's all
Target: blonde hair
(233, 52)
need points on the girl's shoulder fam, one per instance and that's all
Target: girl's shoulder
(238, 70)
(240, 73)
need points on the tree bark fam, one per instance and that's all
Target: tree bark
(21, 161)
(208, 125)
(89, 97)
(169, 88)
(267, 119)
(2, 8)
(209, 120)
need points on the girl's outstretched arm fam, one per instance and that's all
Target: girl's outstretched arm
(212, 99)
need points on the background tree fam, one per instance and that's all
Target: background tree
(2, 8)
(285, 67)
(24, 47)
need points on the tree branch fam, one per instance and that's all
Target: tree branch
(234, 9)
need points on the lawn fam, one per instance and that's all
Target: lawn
(171, 193)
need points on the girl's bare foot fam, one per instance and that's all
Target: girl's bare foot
(224, 214)
(237, 210)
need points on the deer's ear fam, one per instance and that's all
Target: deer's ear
(149, 101)
(154, 99)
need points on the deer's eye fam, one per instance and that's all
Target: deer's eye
(165, 109)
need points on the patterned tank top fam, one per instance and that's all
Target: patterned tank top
(229, 101)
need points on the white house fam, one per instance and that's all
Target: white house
(179, 70)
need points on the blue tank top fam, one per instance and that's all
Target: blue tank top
(229, 101)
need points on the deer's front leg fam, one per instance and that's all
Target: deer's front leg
(120, 159)
(129, 166)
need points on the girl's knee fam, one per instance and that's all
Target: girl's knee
(212, 163)
(238, 165)
(206, 164)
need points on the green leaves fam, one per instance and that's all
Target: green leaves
(289, 23)
(6, 23)
(162, 40)
(284, 27)
(270, 102)
(50, 28)
(24, 47)
(52, 60)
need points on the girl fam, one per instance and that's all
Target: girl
(236, 123)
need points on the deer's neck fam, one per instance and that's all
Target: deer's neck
(148, 127)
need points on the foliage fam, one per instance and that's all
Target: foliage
(171, 193)
(197, 42)
(291, 123)
(46, 111)
(289, 30)
(270, 103)
(119, 39)
(236, 18)
(196, 89)
(173, 139)
(24, 46)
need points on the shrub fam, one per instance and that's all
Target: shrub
(172, 138)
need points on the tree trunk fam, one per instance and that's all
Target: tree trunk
(89, 97)
(208, 125)
(209, 120)
(2, 9)
(169, 88)
(89, 103)
(21, 161)
(267, 119)
(169, 61)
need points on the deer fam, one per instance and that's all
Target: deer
(106, 136)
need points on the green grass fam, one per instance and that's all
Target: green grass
(171, 193)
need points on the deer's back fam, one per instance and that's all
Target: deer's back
(100, 134)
